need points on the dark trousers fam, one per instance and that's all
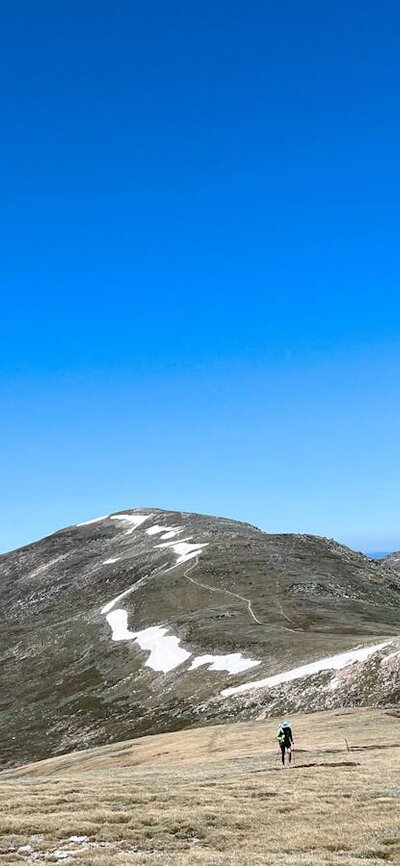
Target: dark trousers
(285, 746)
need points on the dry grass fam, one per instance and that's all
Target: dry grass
(216, 797)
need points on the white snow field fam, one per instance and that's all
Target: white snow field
(234, 663)
(109, 561)
(156, 529)
(167, 531)
(134, 520)
(335, 663)
(183, 550)
(165, 652)
(172, 532)
(118, 620)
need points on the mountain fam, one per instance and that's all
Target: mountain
(146, 621)
(393, 561)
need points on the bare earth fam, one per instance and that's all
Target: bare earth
(215, 796)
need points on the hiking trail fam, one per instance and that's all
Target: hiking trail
(232, 594)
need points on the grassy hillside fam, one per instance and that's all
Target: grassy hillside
(215, 797)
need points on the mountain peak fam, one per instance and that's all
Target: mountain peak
(147, 620)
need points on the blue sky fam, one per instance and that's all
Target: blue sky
(200, 264)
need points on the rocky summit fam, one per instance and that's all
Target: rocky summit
(146, 621)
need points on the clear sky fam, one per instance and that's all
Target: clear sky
(199, 264)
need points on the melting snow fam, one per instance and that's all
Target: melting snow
(165, 652)
(95, 520)
(153, 530)
(109, 561)
(332, 663)
(168, 531)
(175, 530)
(234, 663)
(183, 550)
(392, 656)
(134, 519)
(118, 620)
(107, 607)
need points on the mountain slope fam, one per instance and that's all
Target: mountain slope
(393, 561)
(136, 622)
(214, 797)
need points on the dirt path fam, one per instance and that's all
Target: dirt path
(233, 594)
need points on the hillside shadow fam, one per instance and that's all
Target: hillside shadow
(374, 746)
(330, 764)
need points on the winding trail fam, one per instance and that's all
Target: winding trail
(233, 594)
(279, 603)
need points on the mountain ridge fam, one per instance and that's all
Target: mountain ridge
(138, 621)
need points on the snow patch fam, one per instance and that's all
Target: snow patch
(109, 561)
(167, 531)
(134, 519)
(95, 520)
(175, 530)
(234, 663)
(165, 652)
(164, 649)
(109, 606)
(332, 663)
(118, 620)
(183, 550)
(391, 656)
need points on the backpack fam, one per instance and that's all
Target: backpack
(283, 731)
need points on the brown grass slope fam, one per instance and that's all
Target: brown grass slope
(215, 797)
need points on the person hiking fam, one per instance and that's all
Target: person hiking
(285, 739)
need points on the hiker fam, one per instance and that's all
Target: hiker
(285, 739)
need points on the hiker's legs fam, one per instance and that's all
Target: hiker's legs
(289, 753)
(282, 745)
